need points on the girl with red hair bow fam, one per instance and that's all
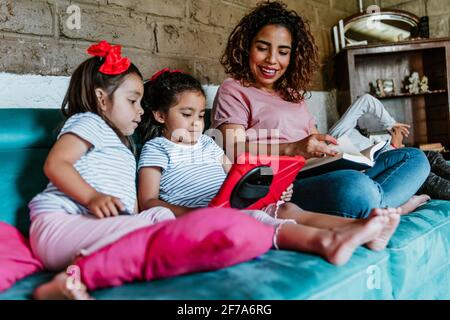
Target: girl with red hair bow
(91, 198)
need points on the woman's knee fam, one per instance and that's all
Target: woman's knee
(419, 160)
(418, 155)
(348, 193)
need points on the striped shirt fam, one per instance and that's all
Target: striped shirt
(108, 166)
(191, 175)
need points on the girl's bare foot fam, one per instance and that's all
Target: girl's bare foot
(339, 247)
(62, 287)
(413, 203)
(393, 215)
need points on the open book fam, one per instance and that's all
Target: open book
(349, 157)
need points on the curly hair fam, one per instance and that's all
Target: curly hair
(161, 94)
(296, 81)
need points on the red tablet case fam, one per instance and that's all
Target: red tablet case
(284, 169)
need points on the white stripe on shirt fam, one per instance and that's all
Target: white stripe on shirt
(190, 175)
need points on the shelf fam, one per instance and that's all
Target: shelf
(427, 113)
(392, 47)
(409, 95)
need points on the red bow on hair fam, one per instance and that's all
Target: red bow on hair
(160, 72)
(114, 63)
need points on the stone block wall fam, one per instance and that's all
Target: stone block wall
(36, 38)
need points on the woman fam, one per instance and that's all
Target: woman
(271, 58)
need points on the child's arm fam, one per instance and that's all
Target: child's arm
(148, 192)
(226, 164)
(397, 137)
(313, 130)
(59, 168)
(403, 127)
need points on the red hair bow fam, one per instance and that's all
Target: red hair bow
(162, 71)
(114, 62)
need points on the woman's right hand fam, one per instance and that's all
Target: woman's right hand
(314, 146)
(103, 206)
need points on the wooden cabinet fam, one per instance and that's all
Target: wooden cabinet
(428, 113)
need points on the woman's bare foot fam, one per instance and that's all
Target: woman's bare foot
(413, 203)
(393, 215)
(339, 247)
(62, 287)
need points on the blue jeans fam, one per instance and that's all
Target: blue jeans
(395, 178)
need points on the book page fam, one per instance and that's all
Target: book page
(345, 146)
(359, 159)
(370, 152)
(346, 151)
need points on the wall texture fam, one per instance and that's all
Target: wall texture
(189, 34)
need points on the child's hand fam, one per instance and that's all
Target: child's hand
(287, 195)
(103, 206)
(403, 127)
(397, 137)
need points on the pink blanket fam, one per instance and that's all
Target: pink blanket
(204, 240)
(16, 259)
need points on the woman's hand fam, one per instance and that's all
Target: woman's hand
(103, 206)
(313, 146)
(287, 195)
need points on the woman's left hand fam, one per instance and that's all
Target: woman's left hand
(287, 195)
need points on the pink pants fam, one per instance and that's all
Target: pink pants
(58, 238)
(203, 240)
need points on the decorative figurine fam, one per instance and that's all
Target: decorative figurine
(414, 83)
(424, 85)
(417, 85)
(383, 88)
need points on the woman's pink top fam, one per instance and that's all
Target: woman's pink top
(266, 117)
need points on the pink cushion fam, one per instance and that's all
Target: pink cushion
(204, 240)
(16, 259)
